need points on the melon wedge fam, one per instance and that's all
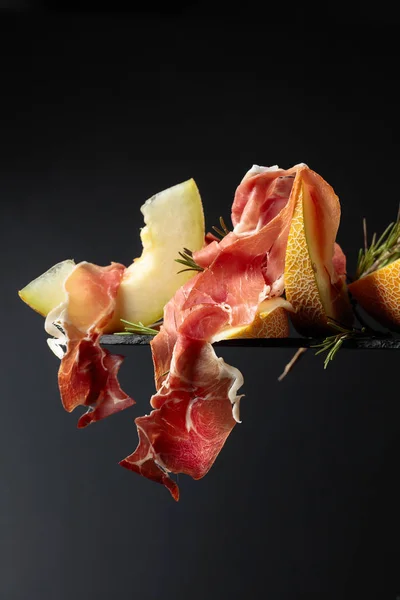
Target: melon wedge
(379, 295)
(271, 321)
(174, 220)
(47, 291)
(316, 292)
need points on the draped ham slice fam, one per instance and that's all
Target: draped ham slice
(250, 261)
(192, 418)
(196, 405)
(88, 373)
(262, 209)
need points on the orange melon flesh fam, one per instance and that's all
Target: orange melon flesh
(379, 295)
(311, 284)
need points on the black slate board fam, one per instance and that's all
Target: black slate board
(367, 343)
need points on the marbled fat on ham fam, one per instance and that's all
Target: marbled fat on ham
(88, 373)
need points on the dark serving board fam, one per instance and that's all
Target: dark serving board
(365, 343)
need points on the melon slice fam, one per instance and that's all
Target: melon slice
(379, 294)
(47, 291)
(174, 220)
(312, 285)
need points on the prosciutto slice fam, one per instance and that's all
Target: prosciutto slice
(196, 405)
(262, 209)
(88, 373)
(192, 418)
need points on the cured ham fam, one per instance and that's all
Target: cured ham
(261, 214)
(193, 416)
(262, 209)
(88, 373)
(196, 405)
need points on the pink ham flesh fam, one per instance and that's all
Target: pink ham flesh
(88, 373)
(262, 209)
(192, 416)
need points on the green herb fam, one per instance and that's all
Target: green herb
(381, 252)
(137, 328)
(187, 261)
(223, 231)
(332, 343)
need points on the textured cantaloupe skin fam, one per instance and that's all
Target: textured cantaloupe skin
(271, 321)
(379, 295)
(311, 285)
(273, 325)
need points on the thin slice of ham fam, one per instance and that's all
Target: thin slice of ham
(196, 405)
(88, 373)
(192, 419)
(249, 262)
(262, 209)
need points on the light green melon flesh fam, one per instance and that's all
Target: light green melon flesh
(174, 220)
(47, 291)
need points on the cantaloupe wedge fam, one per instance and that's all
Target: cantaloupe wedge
(174, 220)
(379, 295)
(312, 286)
(271, 321)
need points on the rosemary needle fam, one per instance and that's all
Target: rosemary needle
(381, 252)
(187, 261)
(332, 343)
(223, 231)
(137, 328)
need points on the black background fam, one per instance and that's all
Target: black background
(98, 112)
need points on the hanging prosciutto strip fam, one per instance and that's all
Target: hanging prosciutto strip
(88, 373)
(192, 418)
(196, 405)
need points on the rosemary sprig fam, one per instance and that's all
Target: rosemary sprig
(223, 231)
(186, 257)
(381, 252)
(136, 328)
(332, 343)
(187, 261)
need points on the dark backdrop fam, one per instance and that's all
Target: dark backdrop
(98, 113)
